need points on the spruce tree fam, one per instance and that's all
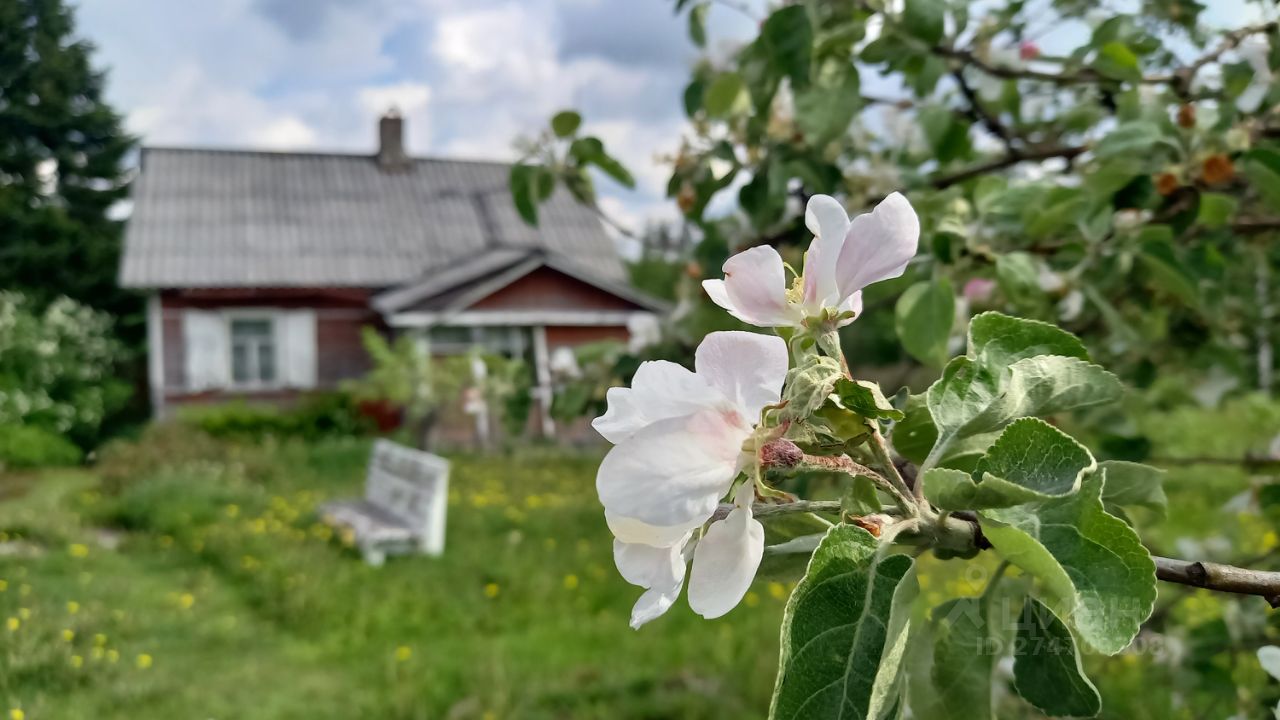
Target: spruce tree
(62, 165)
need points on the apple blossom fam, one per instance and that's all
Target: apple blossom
(845, 257)
(679, 440)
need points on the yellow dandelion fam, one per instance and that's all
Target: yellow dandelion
(571, 582)
(166, 541)
(186, 600)
(777, 590)
(113, 655)
(12, 624)
(752, 599)
(98, 653)
(1270, 540)
(17, 714)
(24, 590)
(489, 715)
(79, 550)
(73, 607)
(232, 510)
(24, 614)
(4, 585)
(77, 661)
(403, 653)
(491, 590)
(144, 661)
(99, 639)
(68, 635)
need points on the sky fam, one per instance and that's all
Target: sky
(468, 75)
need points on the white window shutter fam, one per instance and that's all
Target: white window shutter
(297, 332)
(207, 350)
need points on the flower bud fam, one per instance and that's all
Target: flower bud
(1028, 50)
(780, 453)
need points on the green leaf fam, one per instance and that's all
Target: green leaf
(698, 24)
(1131, 484)
(723, 94)
(1166, 270)
(1216, 209)
(860, 498)
(963, 660)
(924, 316)
(565, 123)
(925, 19)
(1131, 138)
(823, 113)
(1018, 275)
(1264, 176)
(1047, 671)
(1031, 461)
(809, 384)
(1116, 60)
(590, 150)
(1093, 566)
(844, 631)
(999, 340)
(787, 35)
(1036, 456)
(866, 399)
(970, 398)
(522, 182)
(915, 435)
(693, 96)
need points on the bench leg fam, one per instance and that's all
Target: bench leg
(373, 557)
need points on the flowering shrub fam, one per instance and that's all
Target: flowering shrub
(56, 367)
(966, 467)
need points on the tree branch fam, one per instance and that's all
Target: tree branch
(1067, 152)
(1220, 578)
(979, 113)
(964, 526)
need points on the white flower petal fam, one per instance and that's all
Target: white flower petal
(879, 245)
(755, 288)
(622, 418)
(724, 563)
(747, 367)
(829, 222)
(632, 531)
(659, 390)
(673, 471)
(652, 604)
(649, 566)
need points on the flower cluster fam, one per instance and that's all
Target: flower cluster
(682, 438)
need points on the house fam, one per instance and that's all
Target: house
(262, 268)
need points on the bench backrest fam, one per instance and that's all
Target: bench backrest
(412, 485)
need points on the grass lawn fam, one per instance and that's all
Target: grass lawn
(206, 589)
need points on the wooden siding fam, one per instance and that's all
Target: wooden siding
(549, 289)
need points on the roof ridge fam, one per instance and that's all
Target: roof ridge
(314, 153)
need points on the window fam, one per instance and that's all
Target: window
(253, 352)
(498, 340)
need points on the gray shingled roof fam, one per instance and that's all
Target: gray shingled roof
(220, 218)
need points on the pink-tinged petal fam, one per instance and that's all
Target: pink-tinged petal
(747, 367)
(879, 245)
(851, 304)
(674, 471)
(755, 285)
(648, 566)
(829, 222)
(634, 532)
(719, 295)
(724, 563)
(653, 604)
(659, 390)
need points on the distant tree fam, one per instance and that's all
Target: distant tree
(61, 166)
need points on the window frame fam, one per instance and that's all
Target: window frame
(272, 318)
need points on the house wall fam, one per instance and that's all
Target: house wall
(548, 289)
(341, 315)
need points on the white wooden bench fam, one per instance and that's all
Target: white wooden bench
(403, 510)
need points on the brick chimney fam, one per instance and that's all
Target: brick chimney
(391, 154)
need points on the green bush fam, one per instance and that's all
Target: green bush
(317, 416)
(26, 446)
